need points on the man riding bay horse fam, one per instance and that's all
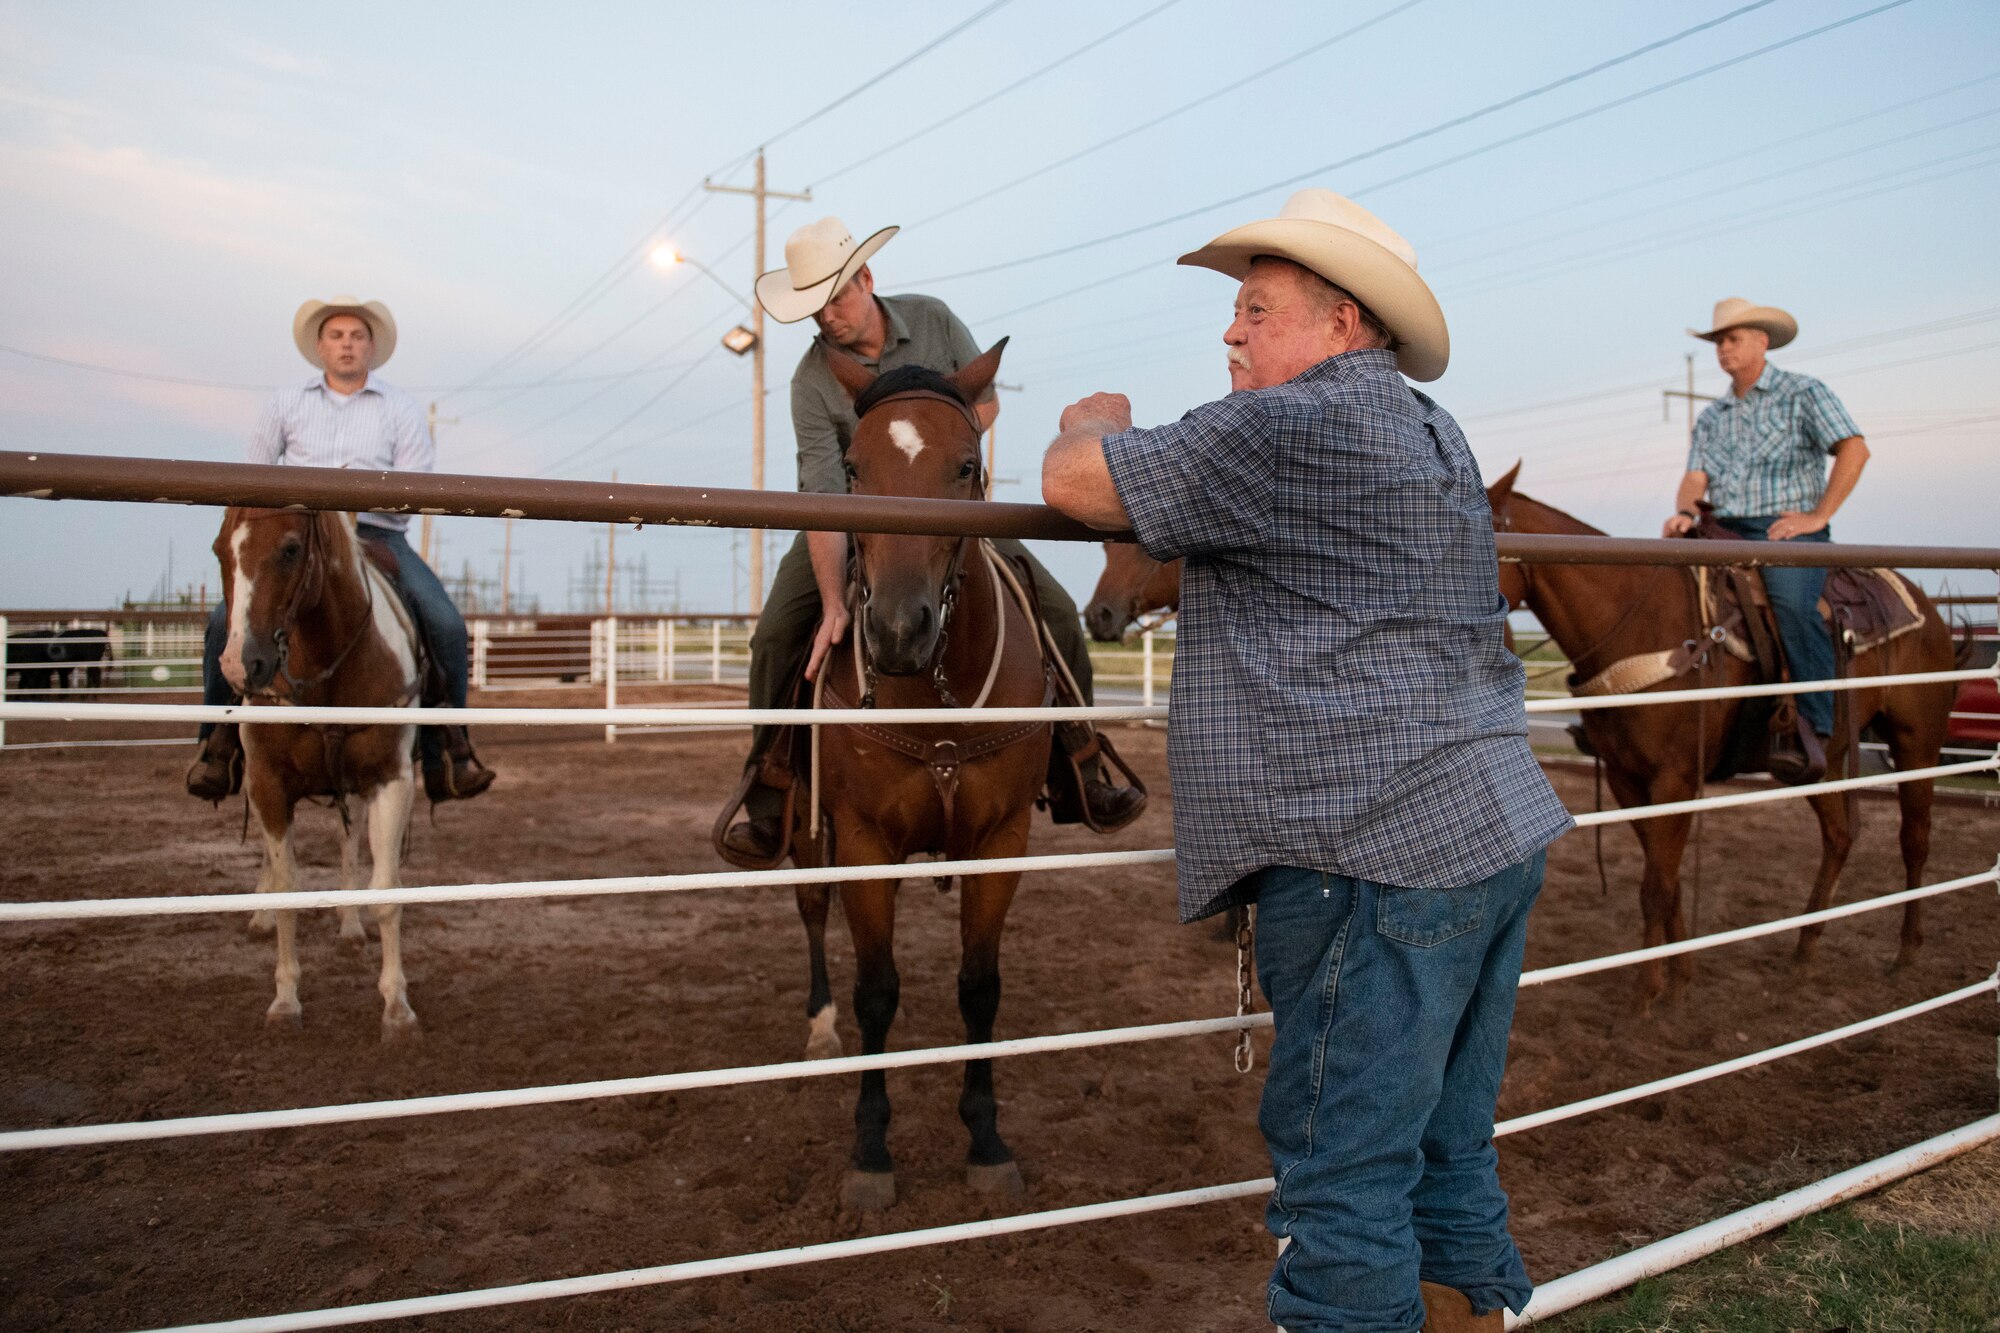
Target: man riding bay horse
(827, 277)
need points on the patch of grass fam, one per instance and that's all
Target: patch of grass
(1923, 1257)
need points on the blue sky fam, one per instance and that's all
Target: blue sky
(174, 180)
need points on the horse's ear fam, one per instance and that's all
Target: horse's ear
(976, 376)
(1501, 491)
(853, 376)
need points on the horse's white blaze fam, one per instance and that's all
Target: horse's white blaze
(392, 625)
(239, 609)
(907, 438)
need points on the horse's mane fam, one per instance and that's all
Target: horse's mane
(1587, 529)
(901, 380)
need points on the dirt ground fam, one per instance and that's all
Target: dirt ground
(162, 1017)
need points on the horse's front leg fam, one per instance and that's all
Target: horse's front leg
(388, 816)
(982, 916)
(870, 908)
(822, 1037)
(352, 937)
(274, 820)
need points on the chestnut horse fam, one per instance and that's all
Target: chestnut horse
(313, 623)
(1653, 754)
(1132, 584)
(934, 626)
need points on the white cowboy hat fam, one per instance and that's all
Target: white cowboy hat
(1734, 312)
(819, 259)
(381, 326)
(1355, 250)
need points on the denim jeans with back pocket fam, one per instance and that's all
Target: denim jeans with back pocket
(1393, 1007)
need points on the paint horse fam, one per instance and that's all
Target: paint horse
(939, 621)
(311, 622)
(1656, 754)
(1132, 585)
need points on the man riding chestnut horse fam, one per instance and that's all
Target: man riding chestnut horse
(346, 416)
(826, 276)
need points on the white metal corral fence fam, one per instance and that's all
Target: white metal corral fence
(1564, 1293)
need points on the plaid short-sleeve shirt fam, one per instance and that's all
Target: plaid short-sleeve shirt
(1344, 698)
(1766, 453)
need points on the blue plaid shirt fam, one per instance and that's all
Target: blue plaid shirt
(1343, 699)
(1765, 454)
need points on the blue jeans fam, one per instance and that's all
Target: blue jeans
(1795, 599)
(1393, 1007)
(437, 618)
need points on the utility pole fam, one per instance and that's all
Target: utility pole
(610, 554)
(1688, 393)
(507, 571)
(431, 422)
(760, 193)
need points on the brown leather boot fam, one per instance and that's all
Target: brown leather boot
(456, 774)
(217, 772)
(1112, 807)
(753, 843)
(1797, 754)
(1447, 1310)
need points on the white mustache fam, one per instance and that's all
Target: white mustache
(1238, 359)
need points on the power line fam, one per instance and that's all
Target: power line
(996, 95)
(123, 373)
(1165, 116)
(866, 84)
(1454, 123)
(632, 416)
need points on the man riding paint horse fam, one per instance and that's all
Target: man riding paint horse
(1350, 752)
(1759, 456)
(347, 417)
(826, 276)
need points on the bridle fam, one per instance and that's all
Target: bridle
(1505, 523)
(954, 575)
(305, 593)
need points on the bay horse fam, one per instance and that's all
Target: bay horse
(1132, 584)
(933, 626)
(312, 622)
(1653, 754)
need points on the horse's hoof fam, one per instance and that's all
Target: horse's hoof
(1000, 1180)
(352, 944)
(284, 1019)
(868, 1191)
(260, 924)
(400, 1028)
(823, 1045)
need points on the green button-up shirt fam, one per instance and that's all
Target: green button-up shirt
(922, 331)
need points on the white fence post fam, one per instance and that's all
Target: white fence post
(3, 679)
(669, 677)
(715, 651)
(480, 631)
(1146, 668)
(610, 675)
(660, 649)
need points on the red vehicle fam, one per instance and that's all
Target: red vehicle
(1975, 714)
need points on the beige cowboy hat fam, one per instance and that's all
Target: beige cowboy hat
(819, 259)
(1355, 250)
(1734, 312)
(381, 326)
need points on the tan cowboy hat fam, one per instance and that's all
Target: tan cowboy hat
(819, 259)
(381, 326)
(1355, 250)
(1736, 313)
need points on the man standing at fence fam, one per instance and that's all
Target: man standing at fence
(826, 276)
(1759, 456)
(1349, 752)
(348, 417)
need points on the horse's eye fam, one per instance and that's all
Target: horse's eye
(967, 469)
(289, 553)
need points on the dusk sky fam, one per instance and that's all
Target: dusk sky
(175, 180)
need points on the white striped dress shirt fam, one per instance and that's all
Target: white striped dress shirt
(381, 428)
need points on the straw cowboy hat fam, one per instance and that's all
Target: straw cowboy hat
(1355, 250)
(381, 326)
(819, 259)
(1736, 313)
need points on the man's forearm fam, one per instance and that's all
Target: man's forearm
(829, 561)
(1849, 457)
(1693, 486)
(1077, 480)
